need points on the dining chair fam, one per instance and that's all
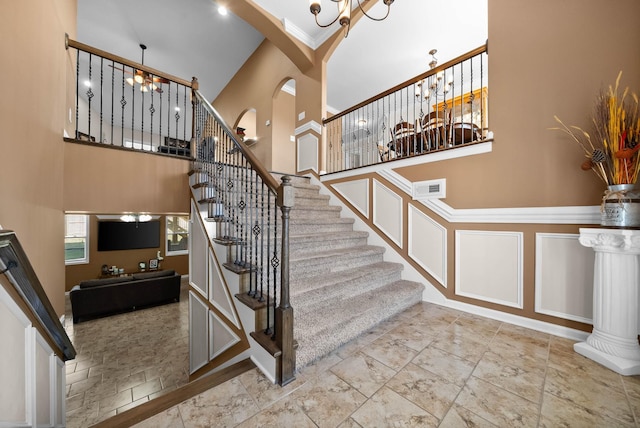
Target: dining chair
(402, 138)
(434, 129)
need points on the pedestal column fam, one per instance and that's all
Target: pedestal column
(616, 281)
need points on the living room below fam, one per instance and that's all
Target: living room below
(170, 253)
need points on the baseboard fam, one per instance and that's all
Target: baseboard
(542, 326)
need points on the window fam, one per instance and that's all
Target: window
(177, 235)
(76, 239)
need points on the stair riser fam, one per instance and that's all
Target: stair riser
(310, 301)
(305, 246)
(310, 202)
(299, 270)
(324, 332)
(302, 228)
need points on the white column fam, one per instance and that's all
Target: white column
(616, 283)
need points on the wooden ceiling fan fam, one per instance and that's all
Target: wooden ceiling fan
(146, 81)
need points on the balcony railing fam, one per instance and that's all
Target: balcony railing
(441, 109)
(121, 103)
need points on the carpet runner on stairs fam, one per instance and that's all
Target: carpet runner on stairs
(340, 287)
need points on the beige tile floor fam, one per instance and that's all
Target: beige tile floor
(125, 360)
(429, 366)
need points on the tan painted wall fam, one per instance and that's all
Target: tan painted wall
(32, 117)
(111, 181)
(545, 58)
(126, 259)
(254, 86)
(284, 150)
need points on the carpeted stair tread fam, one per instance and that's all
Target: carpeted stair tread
(305, 265)
(313, 242)
(320, 224)
(306, 294)
(338, 322)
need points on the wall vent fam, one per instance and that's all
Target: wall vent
(430, 189)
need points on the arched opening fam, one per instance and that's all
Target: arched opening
(283, 142)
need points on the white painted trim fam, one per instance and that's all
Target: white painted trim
(460, 152)
(441, 280)
(538, 286)
(398, 240)
(542, 215)
(311, 125)
(215, 269)
(364, 213)
(432, 295)
(520, 285)
(193, 365)
(212, 352)
(409, 272)
(545, 327)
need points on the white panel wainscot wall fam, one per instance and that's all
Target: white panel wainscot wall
(387, 212)
(219, 295)
(308, 152)
(198, 332)
(222, 338)
(32, 377)
(15, 391)
(489, 266)
(356, 192)
(428, 244)
(564, 277)
(198, 250)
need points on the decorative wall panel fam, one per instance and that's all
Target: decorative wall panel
(356, 192)
(198, 250)
(219, 295)
(308, 152)
(198, 332)
(427, 244)
(222, 338)
(489, 266)
(564, 277)
(387, 212)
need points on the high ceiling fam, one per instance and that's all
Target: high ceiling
(190, 38)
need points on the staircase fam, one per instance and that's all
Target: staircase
(340, 286)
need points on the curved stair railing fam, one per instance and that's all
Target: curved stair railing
(242, 199)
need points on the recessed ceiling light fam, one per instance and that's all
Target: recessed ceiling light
(87, 83)
(222, 10)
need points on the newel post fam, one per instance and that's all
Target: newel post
(194, 87)
(284, 312)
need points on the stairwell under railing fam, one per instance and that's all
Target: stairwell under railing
(239, 254)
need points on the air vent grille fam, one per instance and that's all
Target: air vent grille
(431, 189)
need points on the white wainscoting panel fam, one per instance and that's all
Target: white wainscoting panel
(44, 381)
(564, 277)
(387, 212)
(198, 332)
(308, 152)
(428, 244)
(356, 192)
(219, 295)
(198, 250)
(15, 387)
(489, 266)
(222, 338)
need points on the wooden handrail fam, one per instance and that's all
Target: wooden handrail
(411, 81)
(70, 43)
(15, 264)
(267, 178)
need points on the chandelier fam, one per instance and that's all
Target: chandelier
(434, 86)
(344, 13)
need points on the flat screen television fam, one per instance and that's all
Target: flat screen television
(119, 235)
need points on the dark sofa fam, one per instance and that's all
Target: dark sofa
(99, 297)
